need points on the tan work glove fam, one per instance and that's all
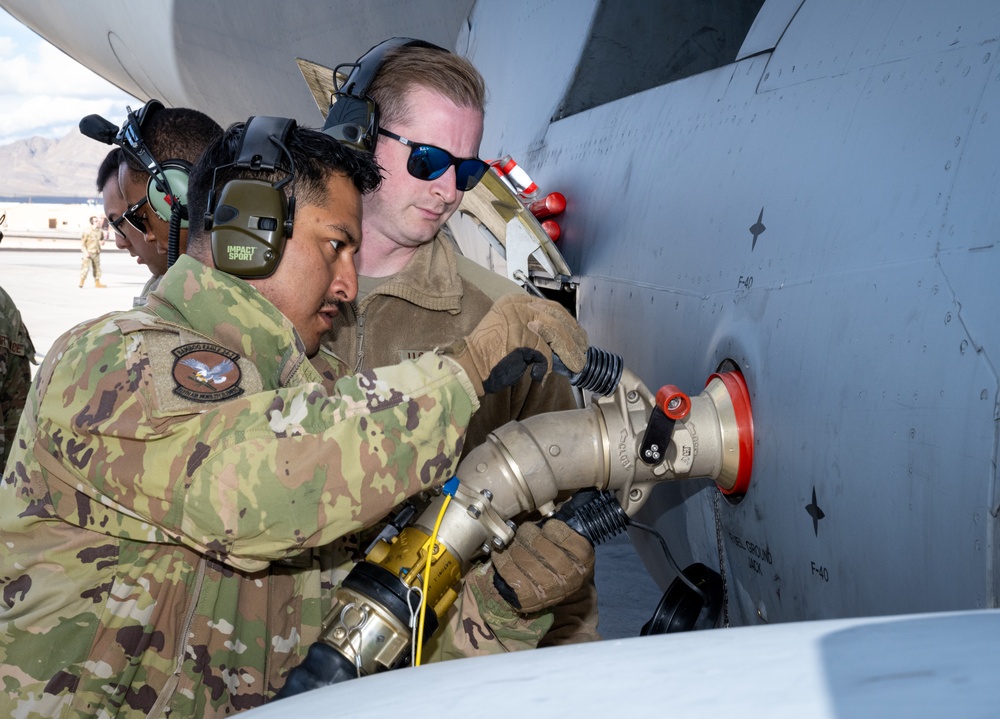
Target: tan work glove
(543, 565)
(520, 332)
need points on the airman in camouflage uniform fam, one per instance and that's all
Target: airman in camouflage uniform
(174, 136)
(178, 464)
(90, 248)
(16, 354)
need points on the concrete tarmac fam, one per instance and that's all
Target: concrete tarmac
(42, 276)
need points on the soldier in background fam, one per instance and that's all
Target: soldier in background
(16, 354)
(90, 246)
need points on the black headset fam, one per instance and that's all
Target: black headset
(353, 115)
(167, 187)
(253, 218)
(166, 190)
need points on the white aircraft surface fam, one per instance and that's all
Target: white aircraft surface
(916, 666)
(808, 192)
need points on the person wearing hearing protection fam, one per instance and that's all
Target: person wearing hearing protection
(417, 293)
(179, 465)
(175, 136)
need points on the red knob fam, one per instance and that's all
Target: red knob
(674, 403)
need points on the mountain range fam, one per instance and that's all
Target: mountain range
(38, 167)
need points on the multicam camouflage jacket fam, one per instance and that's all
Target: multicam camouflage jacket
(175, 468)
(16, 354)
(90, 241)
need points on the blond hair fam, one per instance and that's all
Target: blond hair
(404, 68)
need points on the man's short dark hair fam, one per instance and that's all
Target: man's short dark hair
(109, 167)
(317, 157)
(176, 133)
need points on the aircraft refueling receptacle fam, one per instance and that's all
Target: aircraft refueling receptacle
(625, 441)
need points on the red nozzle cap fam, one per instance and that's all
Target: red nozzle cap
(674, 403)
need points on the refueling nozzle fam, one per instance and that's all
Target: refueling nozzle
(624, 443)
(525, 465)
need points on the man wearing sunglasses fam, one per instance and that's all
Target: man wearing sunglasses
(125, 235)
(416, 293)
(169, 133)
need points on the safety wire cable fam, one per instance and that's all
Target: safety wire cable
(429, 554)
(670, 558)
(414, 613)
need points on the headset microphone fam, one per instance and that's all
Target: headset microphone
(97, 128)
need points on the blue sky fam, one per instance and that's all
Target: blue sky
(43, 91)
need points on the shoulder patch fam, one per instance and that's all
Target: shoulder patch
(205, 372)
(16, 348)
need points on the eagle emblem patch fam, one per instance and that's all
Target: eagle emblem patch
(206, 373)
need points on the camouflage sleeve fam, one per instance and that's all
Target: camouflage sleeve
(575, 619)
(480, 622)
(250, 479)
(16, 352)
(330, 368)
(13, 393)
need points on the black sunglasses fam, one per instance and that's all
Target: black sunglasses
(427, 162)
(116, 225)
(130, 216)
